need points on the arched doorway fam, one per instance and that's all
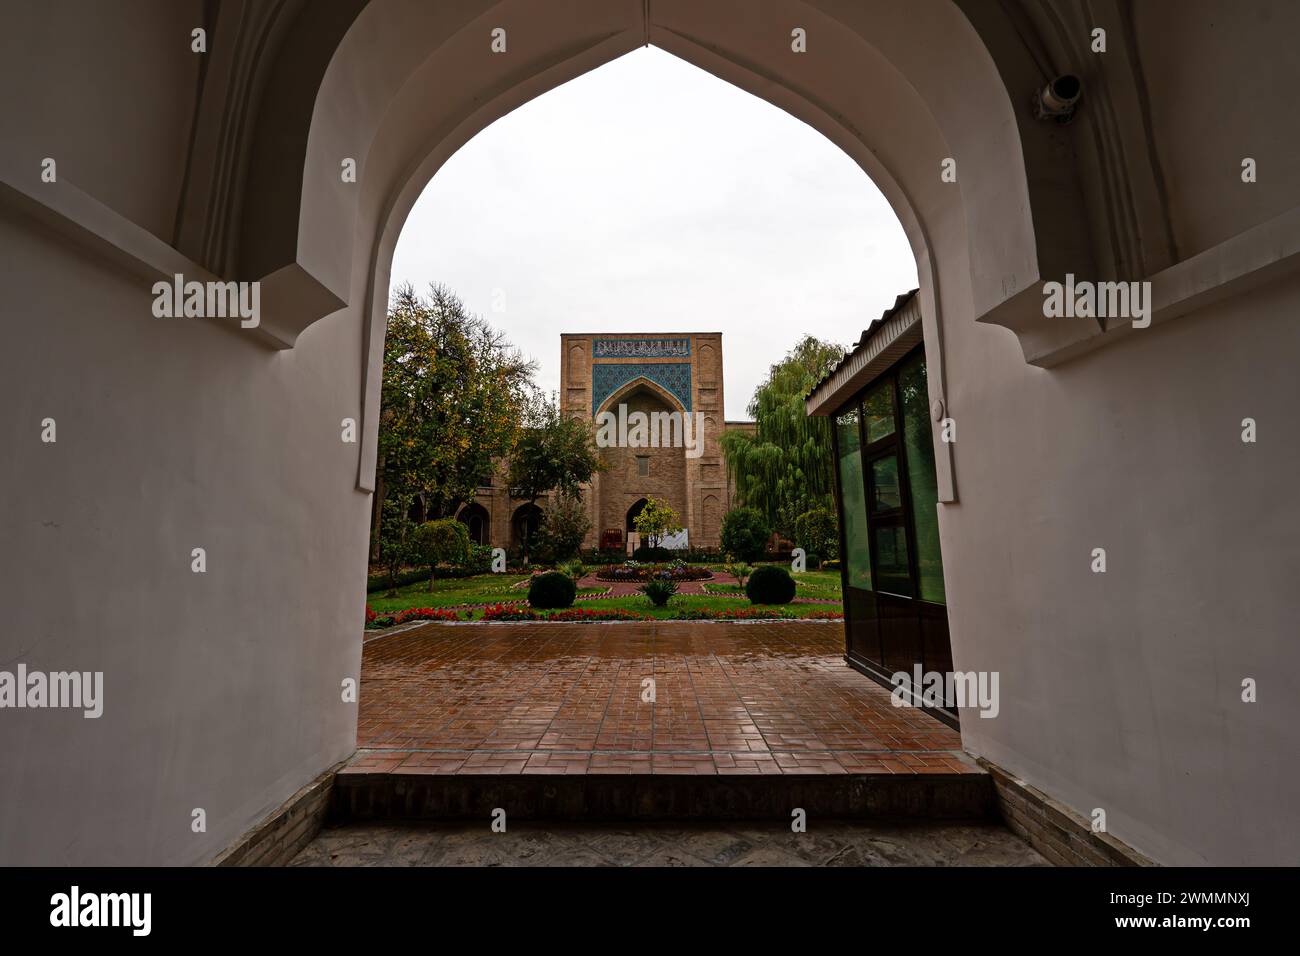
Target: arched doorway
(632, 536)
(476, 518)
(900, 92)
(523, 526)
(960, 107)
(632, 514)
(657, 466)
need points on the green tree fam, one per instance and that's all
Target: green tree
(397, 536)
(817, 531)
(744, 533)
(554, 452)
(444, 541)
(453, 393)
(785, 467)
(656, 520)
(738, 570)
(564, 525)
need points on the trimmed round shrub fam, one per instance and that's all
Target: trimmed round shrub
(770, 584)
(745, 533)
(552, 589)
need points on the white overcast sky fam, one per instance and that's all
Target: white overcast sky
(650, 196)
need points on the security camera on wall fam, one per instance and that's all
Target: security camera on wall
(1058, 99)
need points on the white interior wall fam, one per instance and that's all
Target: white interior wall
(222, 690)
(1122, 690)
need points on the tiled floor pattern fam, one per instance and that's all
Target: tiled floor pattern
(826, 843)
(761, 698)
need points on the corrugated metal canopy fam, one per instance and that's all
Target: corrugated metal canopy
(883, 342)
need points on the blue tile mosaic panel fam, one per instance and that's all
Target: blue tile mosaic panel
(673, 377)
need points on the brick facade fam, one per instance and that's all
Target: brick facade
(651, 372)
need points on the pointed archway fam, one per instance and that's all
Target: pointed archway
(633, 513)
(477, 520)
(523, 526)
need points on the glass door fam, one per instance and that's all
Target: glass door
(895, 617)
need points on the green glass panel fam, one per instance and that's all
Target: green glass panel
(892, 572)
(857, 556)
(878, 407)
(920, 477)
(884, 484)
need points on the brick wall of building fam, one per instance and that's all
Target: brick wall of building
(663, 372)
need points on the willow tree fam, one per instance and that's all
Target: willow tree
(785, 467)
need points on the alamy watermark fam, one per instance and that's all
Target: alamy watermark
(1098, 300)
(58, 689)
(208, 300)
(75, 908)
(920, 688)
(622, 429)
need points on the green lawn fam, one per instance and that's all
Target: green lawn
(499, 588)
(818, 584)
(479, 589)
(810, 584)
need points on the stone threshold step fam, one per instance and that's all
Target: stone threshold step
(397, 796)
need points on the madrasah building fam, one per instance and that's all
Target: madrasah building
(675, 381)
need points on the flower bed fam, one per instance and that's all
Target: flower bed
(375, 620)
(732, 614)
(633, 571)
(594, 614)
(509, 612)
(426, 614)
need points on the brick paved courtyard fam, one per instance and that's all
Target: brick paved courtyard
(762, 698)
(456, 720)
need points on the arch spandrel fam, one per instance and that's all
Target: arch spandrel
(638, 385)
(920, 91)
